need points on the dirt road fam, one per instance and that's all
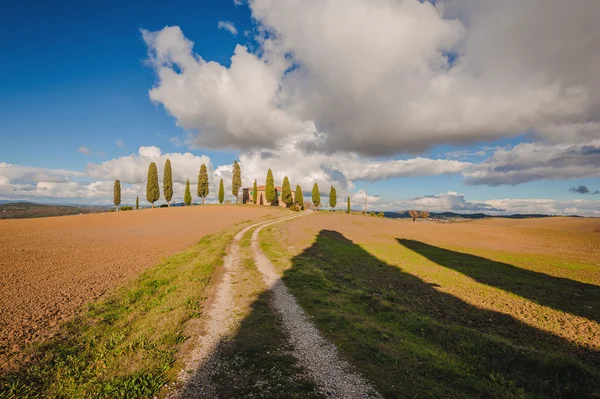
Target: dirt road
(50, 267)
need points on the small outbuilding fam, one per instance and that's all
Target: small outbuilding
(261, 198)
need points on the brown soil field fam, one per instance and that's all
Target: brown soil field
(50, 267)
(552, 223)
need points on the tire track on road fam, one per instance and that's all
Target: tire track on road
(194, 378)
(319, 357)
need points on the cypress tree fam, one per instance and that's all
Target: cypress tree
(332, 198)
(152, 190)
(255, 193)
(117, 194)
(299, 197)
(137, 202)
(270, 188)
(348, 211)
(168, 182)
(203, 183)
(236, 181)
(286, 192)
(316, 196)
(221, 192)
(187, 197)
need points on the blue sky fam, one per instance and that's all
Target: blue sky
(75, 83)
(76, 76)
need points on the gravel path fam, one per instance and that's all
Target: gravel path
(333, 375)
(194, 379)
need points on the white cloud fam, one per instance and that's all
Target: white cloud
(133, 169)
(29, 175)
(232, 107)
(120, 143)
(527, 162)
(228, 26)
(340, 169)
(451, 201)
(373, 77)
(84, 150)
(95, 186)
(455, 202)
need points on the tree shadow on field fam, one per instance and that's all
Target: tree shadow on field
(411, 340)
(562, 294)
(403, 335)
(256, 363)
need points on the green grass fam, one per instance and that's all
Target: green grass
(257, 361)
(412, 340)
(126, 345)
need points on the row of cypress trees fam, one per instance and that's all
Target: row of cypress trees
(153, 190)
(286, 193)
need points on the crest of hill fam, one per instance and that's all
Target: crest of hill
(24, 210)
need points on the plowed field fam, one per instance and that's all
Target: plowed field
(50, 267)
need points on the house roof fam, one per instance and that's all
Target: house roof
(262, 188)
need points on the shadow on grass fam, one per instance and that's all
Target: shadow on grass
(256, 363)
(411, 340)
(558, 293)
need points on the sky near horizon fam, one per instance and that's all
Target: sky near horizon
(456, 105)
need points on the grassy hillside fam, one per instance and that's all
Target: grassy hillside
(420, 320)
(25, 210)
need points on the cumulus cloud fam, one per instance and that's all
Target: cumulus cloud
(84, 150)
(133, 168)
(547, 206)
(383, 77)
(456, 202)
(235, 107)
(583, 190)
(30, 175)
(451, 201)
(228, 26)
(340, 169)
(527, 162)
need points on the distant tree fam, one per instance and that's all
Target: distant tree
(152, 190)
(221, 192)
(414, 215)
(203, 183)
(381, 214)
(254, 193)
(187, 197)
(348, 211)
(236, 181)
(424, 214)
(286, 192)
(316, 196)
(299, 197)
(168, 182)
(270, 194)
(117, 194)
(332, 198)
(137, 202)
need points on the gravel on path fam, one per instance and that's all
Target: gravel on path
(194, 378)
(320, 358)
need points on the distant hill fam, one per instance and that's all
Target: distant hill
(470, 216)
(25, 210)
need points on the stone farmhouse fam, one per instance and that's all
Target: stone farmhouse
(261, 199)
